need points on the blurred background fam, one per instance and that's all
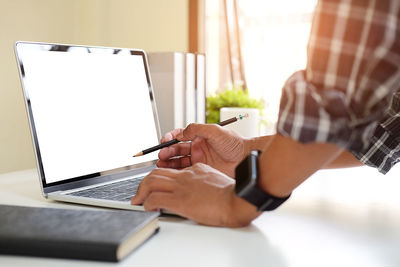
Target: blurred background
(267, 41)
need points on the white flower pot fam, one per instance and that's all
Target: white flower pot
(247, 127)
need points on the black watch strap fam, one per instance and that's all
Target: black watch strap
(246, 187)
(262, 200)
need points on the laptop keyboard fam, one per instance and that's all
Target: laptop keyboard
(118, 191)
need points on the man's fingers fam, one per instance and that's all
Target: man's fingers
(177, 163)
(162, 200)
(194, 130)
(169, 173)
(182, 149)
(152, 183)
(171, 135)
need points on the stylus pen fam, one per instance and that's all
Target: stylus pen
(175, 141)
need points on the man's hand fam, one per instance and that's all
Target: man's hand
(199, 193)
(210, 144)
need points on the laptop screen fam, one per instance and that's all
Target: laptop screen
(90, 109)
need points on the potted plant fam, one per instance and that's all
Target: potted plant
(233, 98)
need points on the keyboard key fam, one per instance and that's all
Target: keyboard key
(119, 191)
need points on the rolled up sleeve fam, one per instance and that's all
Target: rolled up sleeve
(344, 95)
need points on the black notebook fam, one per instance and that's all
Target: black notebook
(71, 233)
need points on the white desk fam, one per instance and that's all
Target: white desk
(308, 231)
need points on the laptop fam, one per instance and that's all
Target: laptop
(90, 109)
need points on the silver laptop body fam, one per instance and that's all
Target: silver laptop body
(90, 109)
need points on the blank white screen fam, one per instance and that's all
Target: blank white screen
(92, 111)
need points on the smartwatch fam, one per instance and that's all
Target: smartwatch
(246, 175)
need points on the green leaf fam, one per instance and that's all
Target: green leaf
(231, 97)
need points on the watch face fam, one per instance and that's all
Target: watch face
(247, 188)
(246, 174)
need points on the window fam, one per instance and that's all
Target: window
(273, 39)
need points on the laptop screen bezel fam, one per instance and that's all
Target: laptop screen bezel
(19, 46)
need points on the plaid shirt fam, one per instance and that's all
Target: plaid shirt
(349, 93)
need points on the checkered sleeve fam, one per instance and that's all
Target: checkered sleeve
(383, 151)
(347, 93)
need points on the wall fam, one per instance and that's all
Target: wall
(152, 25)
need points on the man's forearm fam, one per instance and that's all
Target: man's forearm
(285, 163)
(344, 160)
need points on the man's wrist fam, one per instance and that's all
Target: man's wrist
(256, 143)
(240, 212)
